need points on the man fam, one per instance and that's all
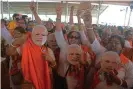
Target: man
(50, 26)
(116, 44)
(30, 46)
(6, 39)
(13, 24)
(111, 74)
(21, 23)
(25, 18)
(75, 74)
(73, 37)
(5, 33)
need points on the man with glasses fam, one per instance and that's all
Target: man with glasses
(13, 24)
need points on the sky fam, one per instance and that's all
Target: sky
(116, 15)
(113, 15)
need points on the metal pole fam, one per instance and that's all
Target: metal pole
(98, 12)
(125, 16)
(1, 9)
(8, 8)
(129, 17)
(37, 5)
(66, 14)
(32, 17)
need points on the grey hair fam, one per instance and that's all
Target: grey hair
(74, 46)
(39, 26)
(111, 53)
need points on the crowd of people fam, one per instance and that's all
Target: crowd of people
(53, 55)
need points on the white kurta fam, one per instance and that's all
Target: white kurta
(63, 64)
(128, 67)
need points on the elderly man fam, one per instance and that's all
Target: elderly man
(73, 37)
(111, 75)
(75, 74)
(35, 56)
(116, 44)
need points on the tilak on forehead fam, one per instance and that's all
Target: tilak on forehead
(39, 35)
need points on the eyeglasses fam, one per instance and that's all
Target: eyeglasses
(75, 37)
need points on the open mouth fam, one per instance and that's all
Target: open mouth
(75, 60)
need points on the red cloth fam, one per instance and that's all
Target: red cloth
(78, 71)
(14, 68)
(96, 80)
(124, 59)
(34, 67)
(88, 50)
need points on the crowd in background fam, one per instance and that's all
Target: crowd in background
(55, 55)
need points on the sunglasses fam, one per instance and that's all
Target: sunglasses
(75, 37)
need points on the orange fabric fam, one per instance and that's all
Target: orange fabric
(96, 80)
(131, 43)
(34, 67)
(11, 26)
(86, 49)
(124, 59)
(128, 52)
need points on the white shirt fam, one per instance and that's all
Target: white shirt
(128, 67)
(63, 63)
(6, 35)
(127, 44)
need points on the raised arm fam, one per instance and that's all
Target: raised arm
(82, 29)
(71, 16)
(87, 18)
(5, 33)
(33, 10)
(58, 32)
(12, 49)
(58, 18)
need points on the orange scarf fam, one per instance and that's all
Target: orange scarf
(87, 49)
(34, 67)
(128, 52)
(124, 59)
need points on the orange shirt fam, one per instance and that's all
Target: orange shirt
(11, 26)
